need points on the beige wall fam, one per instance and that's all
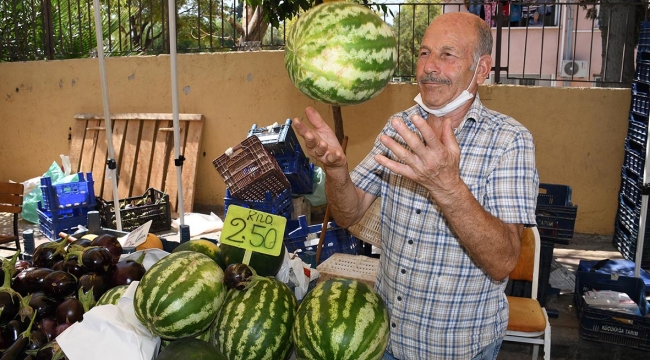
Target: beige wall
(579, 133)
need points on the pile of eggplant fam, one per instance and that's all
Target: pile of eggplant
(41, 298)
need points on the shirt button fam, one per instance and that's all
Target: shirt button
(418, 211)
(410, 242)
(399, 298)
(393, 325)
(403, 271)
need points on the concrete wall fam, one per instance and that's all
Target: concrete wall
(579, 133)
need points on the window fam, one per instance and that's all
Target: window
(519, 13)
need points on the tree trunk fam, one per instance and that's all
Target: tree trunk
(618, 26)
(254, 24)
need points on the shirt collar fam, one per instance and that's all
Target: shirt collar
(472, 114)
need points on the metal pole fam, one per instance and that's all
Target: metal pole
(178, 161)
(110, 163)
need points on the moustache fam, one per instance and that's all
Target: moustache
(429, 78)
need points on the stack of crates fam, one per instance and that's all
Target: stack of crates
(65, 206)
(629, 201)
(282, 143)
(556, 217)
(254, 179)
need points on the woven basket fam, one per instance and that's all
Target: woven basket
(356, 267)
(369, 228)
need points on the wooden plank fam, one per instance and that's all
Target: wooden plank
(119, 128)
(88, 150)
(191, 153)
(128, 158)
(144, 151)
(99, 163)
(171, 183)
(161, 150)
(145, 155)
(142, 116)
(78, 135)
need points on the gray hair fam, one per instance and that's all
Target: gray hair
(484, 44)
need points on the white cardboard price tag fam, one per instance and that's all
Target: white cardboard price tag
(137, 236)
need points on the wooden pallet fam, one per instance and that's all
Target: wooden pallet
(144, 151)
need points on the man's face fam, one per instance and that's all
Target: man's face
(445, 60)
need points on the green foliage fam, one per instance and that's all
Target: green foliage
(19, 38)
(411, 23)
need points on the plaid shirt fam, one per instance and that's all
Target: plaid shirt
(441, 305)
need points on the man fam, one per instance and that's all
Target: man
(457, 183)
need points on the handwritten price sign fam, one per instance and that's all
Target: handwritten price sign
(253, 230)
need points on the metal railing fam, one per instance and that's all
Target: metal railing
(536, 42)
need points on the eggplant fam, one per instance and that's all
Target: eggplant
(95, 282)
(81, 242)
(37, 340)
(126, 272)
(22, 265)
(93, 258)
(51, 351)
(111, 243)
(73, 266)
(43, 305)
(48, 326)
(59, 284)
(11, 302)
(12, 330)
(239, 276)
(31, 280)
(61, 328)
(48, 253)
(69, 311)
(18, 347)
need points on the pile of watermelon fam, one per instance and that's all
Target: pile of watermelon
(183, 298)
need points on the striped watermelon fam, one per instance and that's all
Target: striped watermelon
(190, 349)
(340, 53)
(255, 324)
(203, 246)
(341, 319)
(180, 295)
(112, 296)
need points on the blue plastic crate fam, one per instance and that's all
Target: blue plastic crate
(305, 238)
(278, 139)
(630, 190)
(556, 223)
(612, 326)
(642, 72)
(640, 103)
(298, 170)
(278, 205)
(637, 127)
(633, 163)
(68, 195)
(52, 223)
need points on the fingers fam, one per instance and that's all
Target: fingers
(448, 139)
(428, 135)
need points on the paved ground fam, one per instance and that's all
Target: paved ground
(566, 343)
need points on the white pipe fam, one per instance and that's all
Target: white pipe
(563, 29)
(177, 146)
(107, 115)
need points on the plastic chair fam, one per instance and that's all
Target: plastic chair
(528, 321)
(11, 201)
